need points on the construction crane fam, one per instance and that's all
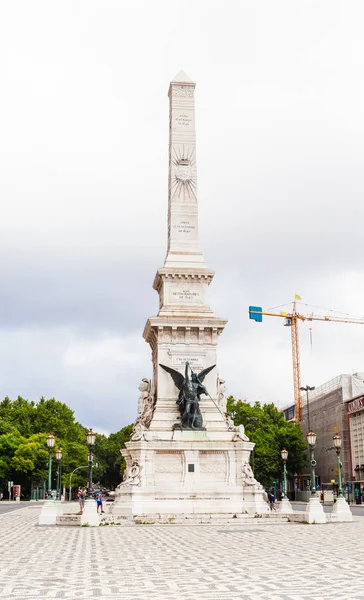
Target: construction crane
(292, 320)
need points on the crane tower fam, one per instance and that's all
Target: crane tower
(292, 320)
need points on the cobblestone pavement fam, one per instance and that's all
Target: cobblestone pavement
(6, 506)
(170, 562)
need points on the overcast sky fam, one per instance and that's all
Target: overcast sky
(83, 189)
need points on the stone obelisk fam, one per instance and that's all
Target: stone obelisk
(183, 244)
(171, 469)
(185, 328)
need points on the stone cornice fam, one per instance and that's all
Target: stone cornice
(153, 323)
(182, 273)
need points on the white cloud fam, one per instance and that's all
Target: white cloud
(106, 353)
(83, 188)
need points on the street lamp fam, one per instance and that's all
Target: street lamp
(337, 446)
(341, 507)
(59, 472)
(284, 455)
(307, 389)
(311, 440)
(314, 509)
(50, 444)
(285, 505)
(91, 438)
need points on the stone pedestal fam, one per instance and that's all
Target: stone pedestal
(314, 511)
(49, 512)
(193, 474)
(342, 510)
(254, 502)
(285, 507)
(90, 515)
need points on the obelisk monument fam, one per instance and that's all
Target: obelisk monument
(185, 328)
(173, 466)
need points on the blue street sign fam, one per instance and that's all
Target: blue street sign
(253, 310)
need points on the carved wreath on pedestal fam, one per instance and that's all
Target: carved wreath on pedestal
(133, 476)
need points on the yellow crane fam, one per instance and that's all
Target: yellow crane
(292, 320)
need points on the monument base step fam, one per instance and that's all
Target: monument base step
(68, 520)
(215, 519)
(197, 519)
(74, 520)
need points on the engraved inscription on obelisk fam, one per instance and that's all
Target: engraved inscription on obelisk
(183, 248)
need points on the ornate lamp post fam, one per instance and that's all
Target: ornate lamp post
(284, 455)
(91, 438)
(89, 513)
(285, 505)
(50, 443)
(314, 511)
(48, 514)
(59, 472)
(341, 507)
(311, 440)
(337, 446)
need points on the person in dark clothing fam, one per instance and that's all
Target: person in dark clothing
(271, 500)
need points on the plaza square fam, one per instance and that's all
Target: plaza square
(166, 562)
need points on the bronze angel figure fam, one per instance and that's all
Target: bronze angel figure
(190, 390)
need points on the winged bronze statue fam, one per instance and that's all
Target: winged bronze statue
(190, 390)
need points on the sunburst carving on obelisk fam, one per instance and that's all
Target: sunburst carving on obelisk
(183, 182)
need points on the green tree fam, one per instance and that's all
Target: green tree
(20, 413)
(31, 458)
(266, 427)
(55, 416)
(7, 427)
(9, 442)
(24, 426)
(24, 456)
(107, 453)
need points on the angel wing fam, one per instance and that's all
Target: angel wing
(201, 376)
(177, 377)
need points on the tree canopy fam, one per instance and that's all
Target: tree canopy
(267, 428)
(107, 450)
(24, 426)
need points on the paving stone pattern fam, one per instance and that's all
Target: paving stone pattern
(170, 562)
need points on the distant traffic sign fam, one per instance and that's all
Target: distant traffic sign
(255, 313)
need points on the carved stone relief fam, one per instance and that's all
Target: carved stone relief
(213, 462)
(240, 434)
(146, 405)
(207, 336)
(221, 398)
(181, 91)
(168, 463)
(133, 476)
(248, 475)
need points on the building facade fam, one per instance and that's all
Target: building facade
(355, 415)
(335, 407)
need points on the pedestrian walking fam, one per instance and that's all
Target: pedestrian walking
(81, 500)
(100, 508)
(271, 499)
